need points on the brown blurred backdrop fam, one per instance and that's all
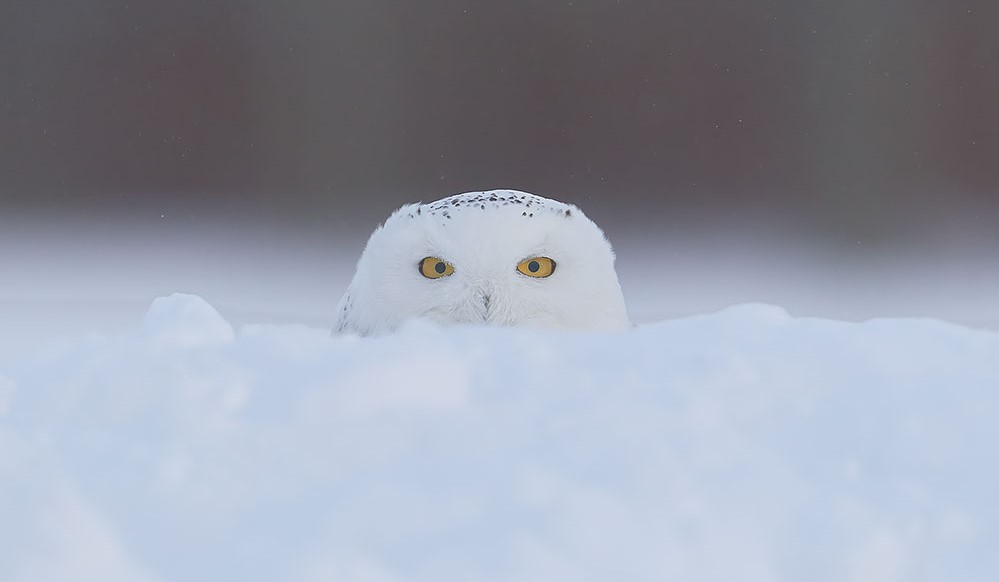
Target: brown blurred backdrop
(859, 119)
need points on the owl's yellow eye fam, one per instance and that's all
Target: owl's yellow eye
(539, 267)
(434, 268)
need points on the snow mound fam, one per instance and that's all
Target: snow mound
(745, 445)
(184, 320)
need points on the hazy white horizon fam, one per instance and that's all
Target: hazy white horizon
(65, 277)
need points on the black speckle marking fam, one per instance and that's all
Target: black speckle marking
(523, 214)
(568, 213)
(495, 199)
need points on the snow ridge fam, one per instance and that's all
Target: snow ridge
(744, 445)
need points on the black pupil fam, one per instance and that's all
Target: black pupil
(440, 267)
(533, 266)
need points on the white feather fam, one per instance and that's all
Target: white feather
(484, 235)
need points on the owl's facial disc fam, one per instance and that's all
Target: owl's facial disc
(483, 296)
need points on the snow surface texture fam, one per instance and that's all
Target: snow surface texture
(744, 445)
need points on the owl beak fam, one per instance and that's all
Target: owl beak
(480, 297)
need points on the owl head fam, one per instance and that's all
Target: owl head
(497, 257)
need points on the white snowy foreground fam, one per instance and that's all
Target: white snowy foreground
(741, 446)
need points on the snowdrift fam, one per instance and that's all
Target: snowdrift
(745, 445)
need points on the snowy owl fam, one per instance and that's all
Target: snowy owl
(498, 257)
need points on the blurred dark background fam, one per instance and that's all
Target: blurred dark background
(859, 118)
(861, 127)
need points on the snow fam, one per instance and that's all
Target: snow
(742, 445)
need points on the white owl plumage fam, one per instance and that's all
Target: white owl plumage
(484, 240)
